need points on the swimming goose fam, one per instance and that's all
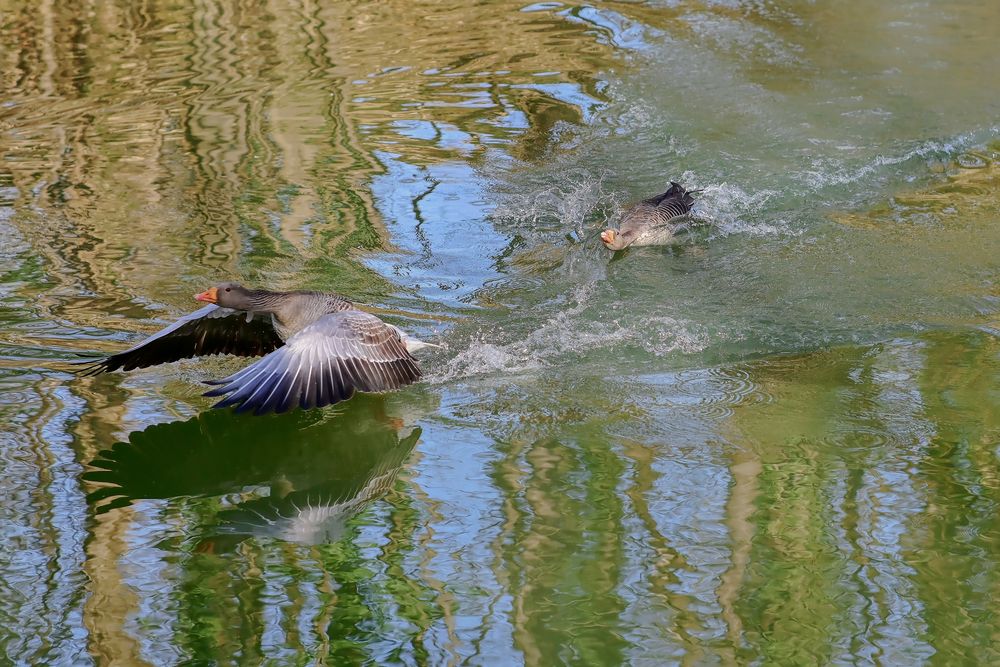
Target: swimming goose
(319, 348)
(650, 222)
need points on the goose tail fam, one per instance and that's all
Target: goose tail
(678, 191)
(412, 344)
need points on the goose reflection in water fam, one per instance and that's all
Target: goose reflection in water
(297, 477)
(315, 515)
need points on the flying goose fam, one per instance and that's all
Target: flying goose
(319, 348)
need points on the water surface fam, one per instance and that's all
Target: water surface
(774, 442)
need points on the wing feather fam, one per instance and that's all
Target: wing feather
(309, 387)
(206, 331)
(324, 363)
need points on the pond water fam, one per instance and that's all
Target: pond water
(775, 441)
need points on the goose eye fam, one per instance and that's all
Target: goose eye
(228, 289)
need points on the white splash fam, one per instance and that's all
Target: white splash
(733, 210)
(572, 330)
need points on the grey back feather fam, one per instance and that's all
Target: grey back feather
(660, 210)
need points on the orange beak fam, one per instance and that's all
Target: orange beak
(608, 236)
(211, 295)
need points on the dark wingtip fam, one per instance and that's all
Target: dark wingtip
(90, 367)
(229, 401)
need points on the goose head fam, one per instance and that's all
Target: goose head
(229, 295)
(615, 239)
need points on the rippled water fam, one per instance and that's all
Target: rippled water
(774, 442)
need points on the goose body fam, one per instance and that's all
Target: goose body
(652, 221)
(318, 348)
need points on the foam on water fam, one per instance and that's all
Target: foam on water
(582, 203)
(481, 357)
(732, 210)
(834, 170)
(572, 329)
(557, 320)
(560, 206)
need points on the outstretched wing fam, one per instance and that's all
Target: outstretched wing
(324, 363)
(208, 330)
